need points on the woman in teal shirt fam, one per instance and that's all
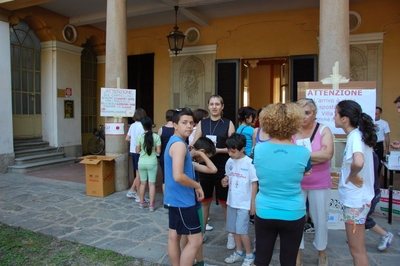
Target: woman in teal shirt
(280, 166)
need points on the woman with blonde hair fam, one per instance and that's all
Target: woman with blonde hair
(280, 166)
(316, 187)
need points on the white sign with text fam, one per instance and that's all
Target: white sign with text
(327, 99)
(117, 102)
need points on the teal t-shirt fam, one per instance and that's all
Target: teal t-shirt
(144, 157)
(280, 169)
(247, 131)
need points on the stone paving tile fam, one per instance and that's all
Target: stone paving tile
(62, 209)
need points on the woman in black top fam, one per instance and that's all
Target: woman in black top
(218, 129)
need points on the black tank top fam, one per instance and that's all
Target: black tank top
(166, 133)
(220, 129)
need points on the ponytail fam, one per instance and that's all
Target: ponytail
(148, 143)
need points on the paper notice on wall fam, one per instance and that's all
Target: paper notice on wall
(117, 102)
(327, 99)
(114, 129)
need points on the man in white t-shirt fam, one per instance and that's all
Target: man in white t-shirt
(383, 139)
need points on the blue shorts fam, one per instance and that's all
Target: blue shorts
(135, 161)
(237, 220)
(184, 220)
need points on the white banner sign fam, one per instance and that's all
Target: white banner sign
(327, 99)
(117, 102)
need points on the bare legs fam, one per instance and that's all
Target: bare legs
(356, 238)
(188, 253)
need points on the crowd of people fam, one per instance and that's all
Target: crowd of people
(273, 170)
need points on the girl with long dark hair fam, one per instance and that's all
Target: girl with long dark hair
(148, 145)
(356, 184)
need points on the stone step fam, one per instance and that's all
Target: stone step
(30, 167)
(38, 158)
(30, 145)
(27, 140)
(30, 152)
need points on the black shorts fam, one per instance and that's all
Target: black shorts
(184, 220)
(208, 183)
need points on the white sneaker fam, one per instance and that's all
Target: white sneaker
(206, 264)
(248, 261)
(231, 242)
(209, 227)
(204, 238)
(385, 241)
(132, 194)
(234, 257)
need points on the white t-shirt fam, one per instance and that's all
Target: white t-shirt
(191, 137)
(241, 174)
(135, 130)
(382, 127)
(350, 195)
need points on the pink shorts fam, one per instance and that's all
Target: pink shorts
(356, 215)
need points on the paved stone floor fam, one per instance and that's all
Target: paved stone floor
(54, 202)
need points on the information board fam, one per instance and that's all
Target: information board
(117, 102)
(326, 99)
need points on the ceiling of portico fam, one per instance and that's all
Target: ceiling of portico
(153, 13)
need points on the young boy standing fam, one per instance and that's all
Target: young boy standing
(182, 192)
(242, 181)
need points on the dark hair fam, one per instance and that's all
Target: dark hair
(169, 114)
(206, 144)
(148, 135)
(178, 113)
(139, 114)
(236, 141)
(246, 112)
(199, 114)
(397, 100)
(357, 118)
(380, 109)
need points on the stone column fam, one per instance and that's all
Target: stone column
(116, 69)
(6, 130)
(334, 38)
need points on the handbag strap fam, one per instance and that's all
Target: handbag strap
(313, 134)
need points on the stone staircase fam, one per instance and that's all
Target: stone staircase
(33, 154)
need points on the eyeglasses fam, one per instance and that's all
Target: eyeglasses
(182, 109)
(310, 100)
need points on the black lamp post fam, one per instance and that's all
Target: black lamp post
(176, 37)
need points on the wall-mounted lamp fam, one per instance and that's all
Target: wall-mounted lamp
(176, 38)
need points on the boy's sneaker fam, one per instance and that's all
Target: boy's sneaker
(209, 227)
(385, 241)
(234, 257)
(132, 194)
(142, 205)
(152, 207)
(248, 261)
(204, 238)
(231, 242)
(308, 228)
